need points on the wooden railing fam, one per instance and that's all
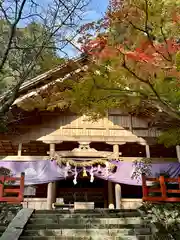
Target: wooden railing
(11, 193)
(163, 189)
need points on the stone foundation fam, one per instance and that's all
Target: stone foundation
(41, 203)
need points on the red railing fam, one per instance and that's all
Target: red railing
(163, 189)
(10, 193)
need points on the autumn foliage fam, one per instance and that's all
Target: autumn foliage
(143, 37)
(135, 53)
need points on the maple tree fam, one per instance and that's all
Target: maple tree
(135, 52)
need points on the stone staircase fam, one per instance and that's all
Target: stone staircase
(93, 224)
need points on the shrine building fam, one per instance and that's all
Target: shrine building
(71, 160)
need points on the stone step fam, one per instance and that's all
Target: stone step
(86, 211)
(81, 220)
(80, 232)
(97, 234)
(60, 232)
(53, 238)
(82, 238)
(78, 226)
(145, 237)
(94, 224)
(84, 215)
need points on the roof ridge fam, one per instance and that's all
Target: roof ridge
(40, 77)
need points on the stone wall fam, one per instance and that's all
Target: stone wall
(35, 203)
(131, 203)
(7, 213)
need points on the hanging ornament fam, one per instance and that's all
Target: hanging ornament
(92, 179)
(67, 168)
(107, 165)
(75, 180)
(68, 165)
(75, 171)
(65, 173)
(99, 169)
(75, 176)
(84, 172)
(92, 174)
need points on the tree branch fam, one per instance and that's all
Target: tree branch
(124, 91)
(163, 104)
(166, 44)
(12, 94)
(5, 14)
(146, 31)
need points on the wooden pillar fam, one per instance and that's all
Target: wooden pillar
(51, 189)
(19, 149)
(116, 151)
(148, 155)
(110, 196)
(52, 149)
(118, 195)
(131, 123)
(49, 195)
(178, 152)
(54, 192)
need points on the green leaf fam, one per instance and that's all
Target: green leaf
(178, 61)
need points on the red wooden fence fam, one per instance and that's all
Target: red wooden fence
(6, 191)
(163, 189)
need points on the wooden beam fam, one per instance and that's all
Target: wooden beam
(19, 149)
(116, 151)
(52, 149)
(55, 138)
(45, 158)
(23, 158)
(147, 151)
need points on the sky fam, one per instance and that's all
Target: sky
(95, 11)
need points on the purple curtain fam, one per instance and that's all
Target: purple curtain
(37, 172)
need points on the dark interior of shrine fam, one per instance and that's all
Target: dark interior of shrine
(85, 191)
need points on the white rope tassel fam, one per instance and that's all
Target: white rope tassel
(75, 176)
(99, 169)
(66, 170)
(92, 174)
